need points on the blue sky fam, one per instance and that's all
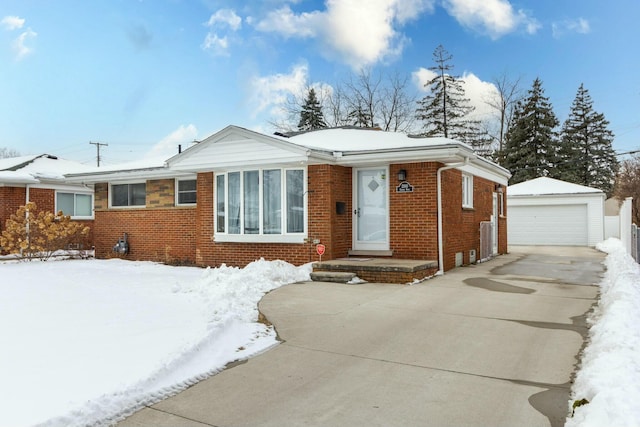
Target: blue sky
(144, 76)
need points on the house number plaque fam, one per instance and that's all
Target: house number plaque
(404, 187)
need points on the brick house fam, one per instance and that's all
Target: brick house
(40, 179)
(240, 195)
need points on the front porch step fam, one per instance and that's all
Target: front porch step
(332, 276)
(355, 252)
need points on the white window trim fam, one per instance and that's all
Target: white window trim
(83, 193)
(176, 186)
(467, 191)
(111, 184)
(284, 237)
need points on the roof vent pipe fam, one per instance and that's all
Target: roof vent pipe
(439, 195)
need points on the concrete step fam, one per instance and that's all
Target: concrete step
(332, 276)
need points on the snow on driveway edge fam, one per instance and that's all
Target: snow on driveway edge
(609, 375)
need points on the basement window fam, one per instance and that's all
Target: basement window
(261, 205)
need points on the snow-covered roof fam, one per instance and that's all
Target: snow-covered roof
(358, 139)
(235, 147)
(548, 186)
(37, 168)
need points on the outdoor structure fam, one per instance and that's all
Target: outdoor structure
(618, 223)
(547, 211)
(240, 195)
(40, 179)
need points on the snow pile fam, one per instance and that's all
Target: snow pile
(89, 342)
(609, 377)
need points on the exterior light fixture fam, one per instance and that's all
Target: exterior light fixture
(402, 175)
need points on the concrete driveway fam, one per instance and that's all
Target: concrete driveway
(493, 344)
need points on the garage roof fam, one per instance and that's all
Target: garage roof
(546, 185)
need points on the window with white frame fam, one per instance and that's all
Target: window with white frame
(76, 205)
(501, 204)
(186, 191)
(467, 191)
(262, 202)
(123, 195)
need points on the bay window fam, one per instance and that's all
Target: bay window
(261, 202)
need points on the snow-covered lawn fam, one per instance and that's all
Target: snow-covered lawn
(609, 376)
(86, 342)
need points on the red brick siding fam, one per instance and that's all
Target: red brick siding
(186, 234)
(413, 215)
(154, 234)
(12, 198)
(328, 185)
(461, 227)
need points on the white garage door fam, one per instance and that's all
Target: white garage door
(548, 225)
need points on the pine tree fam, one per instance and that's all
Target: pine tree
(445, 109)
(586, 152)
(530, 149)
(311, 116)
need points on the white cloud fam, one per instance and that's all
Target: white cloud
(19, 45)
(227, 17)
(288, 24)
(477, 90)
(168, 146)
(358, 32)
(492, 17)
(11, 23)
(421, 77)
(270, 92)
(580, 26)
(221, 21)
(215, 44)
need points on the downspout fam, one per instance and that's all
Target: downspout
(26, 214)
(439, 196)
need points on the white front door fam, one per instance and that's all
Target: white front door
(370, 209)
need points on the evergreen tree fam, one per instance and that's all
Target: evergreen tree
(586, 152)
(530, 148)
(445, 109)
(311, 116)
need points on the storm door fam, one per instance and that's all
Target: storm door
(371, 209)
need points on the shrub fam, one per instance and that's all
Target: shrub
(33, 234)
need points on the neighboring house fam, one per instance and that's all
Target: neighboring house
(40, 179)
(240, 195)
(547, 211)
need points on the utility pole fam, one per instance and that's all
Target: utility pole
(98, 145)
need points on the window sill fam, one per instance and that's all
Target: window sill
(258, 238)
(468, 208)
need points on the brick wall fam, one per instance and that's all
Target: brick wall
(461, 226)
(327, 186)
(185, 234)
(159, 232)
(161, 193)
(11, 198)
(414, 219)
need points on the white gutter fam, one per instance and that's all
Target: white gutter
(439, 195)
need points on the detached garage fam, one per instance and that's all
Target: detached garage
(547, 211)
